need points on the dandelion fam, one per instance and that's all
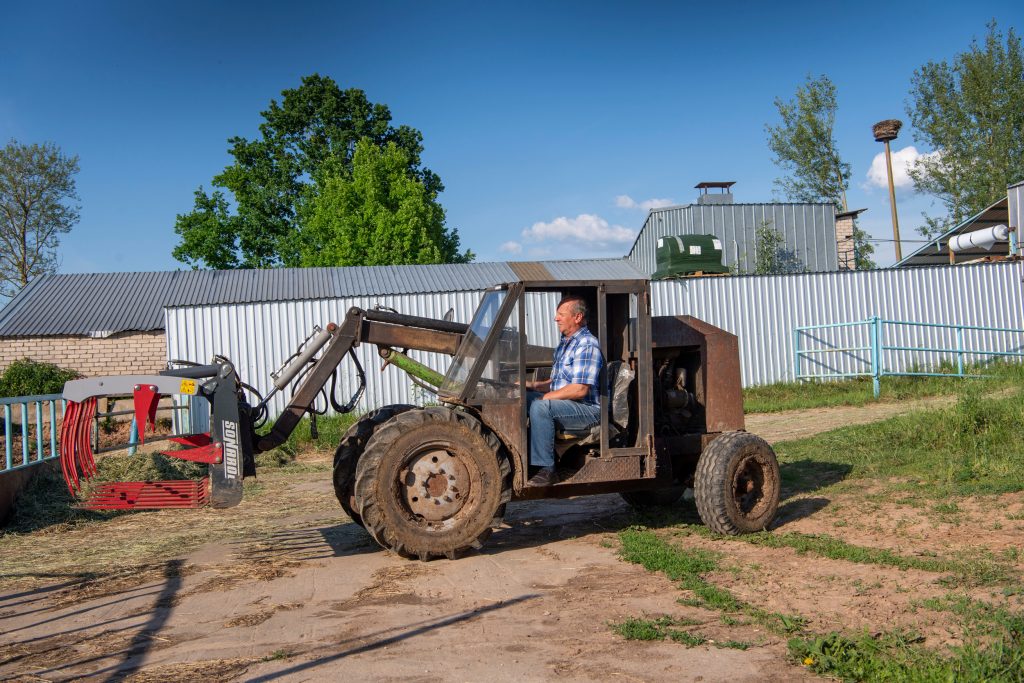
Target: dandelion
(808, 661)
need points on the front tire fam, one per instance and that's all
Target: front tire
(351, 448)
(432, 483)
(737, 484)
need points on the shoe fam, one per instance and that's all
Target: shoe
(545, 476)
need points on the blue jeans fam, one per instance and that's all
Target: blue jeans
(544, 415)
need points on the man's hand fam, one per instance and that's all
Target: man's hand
(570, 392)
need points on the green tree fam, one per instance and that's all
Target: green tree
(862, 250)
(971, 114)
(38, 204)
(805, 147)
(378, 214)
(306, 139)
(771, 257)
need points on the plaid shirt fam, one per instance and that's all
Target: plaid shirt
(578, 360)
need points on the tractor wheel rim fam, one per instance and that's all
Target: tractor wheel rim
(748, 485)
(435, 485)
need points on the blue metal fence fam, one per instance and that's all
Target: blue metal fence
(45, 412)
(878, 348)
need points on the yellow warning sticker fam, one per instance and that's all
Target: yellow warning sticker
(188, 386)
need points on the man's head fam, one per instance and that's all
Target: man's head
(571, 314)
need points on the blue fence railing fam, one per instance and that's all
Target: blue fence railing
(31, 424)
(878, 348)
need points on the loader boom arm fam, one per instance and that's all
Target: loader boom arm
(386, 330)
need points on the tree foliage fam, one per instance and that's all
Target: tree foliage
(376, 215)
(771, 257)
(38, 204)
(805, 147)
(253, 218)
(862, 250)
(971, 114)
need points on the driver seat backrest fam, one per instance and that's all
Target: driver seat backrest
(619, 376)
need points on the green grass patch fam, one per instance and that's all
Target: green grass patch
(642, 546)
(980, 569)
(970, 448)
(900, 656)
(858, 391)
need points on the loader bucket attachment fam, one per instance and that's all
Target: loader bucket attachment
(226, 449)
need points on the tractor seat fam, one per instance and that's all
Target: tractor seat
(619, 378)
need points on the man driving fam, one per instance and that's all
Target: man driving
(570, 398)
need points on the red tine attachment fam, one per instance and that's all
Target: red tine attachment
(76, 461)
(146, 400)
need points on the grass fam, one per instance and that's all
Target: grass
(979, 570)
(857, 391)
(970, 448)
(992, 649)
(642, 546)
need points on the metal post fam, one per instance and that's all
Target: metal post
(7, 434)
(133, 437)
(796, 355)
(960, 351)
(39, 430)
(876, 355)
(53, 428)
(24, 433)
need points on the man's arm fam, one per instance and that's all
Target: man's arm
(538, 385)
(570, 392)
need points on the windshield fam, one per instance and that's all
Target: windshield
(472, 343)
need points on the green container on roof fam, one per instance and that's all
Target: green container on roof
(682, 255)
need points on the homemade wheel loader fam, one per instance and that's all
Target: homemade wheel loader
(434, 481)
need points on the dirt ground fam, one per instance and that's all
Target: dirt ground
(307, 596)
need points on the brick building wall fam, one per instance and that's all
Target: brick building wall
(844, 241)
(125, 353)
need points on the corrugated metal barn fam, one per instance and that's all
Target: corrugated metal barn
(762, 310)
(809, 231)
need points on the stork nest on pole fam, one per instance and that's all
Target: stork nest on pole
(886, 130)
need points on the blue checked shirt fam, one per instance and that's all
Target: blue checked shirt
(578, 360)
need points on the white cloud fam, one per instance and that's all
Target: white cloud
(624, 201)
(902, 160)
(511, 247)
(586, 228)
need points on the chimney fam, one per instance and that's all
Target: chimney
(845, 225)
(724, 196)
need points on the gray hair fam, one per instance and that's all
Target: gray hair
(578, 304)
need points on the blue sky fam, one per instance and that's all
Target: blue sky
(552, 125)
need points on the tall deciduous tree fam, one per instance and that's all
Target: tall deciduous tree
(804, 145)
(38, 204)
(376, 215)
(971, 114)
(251, 218)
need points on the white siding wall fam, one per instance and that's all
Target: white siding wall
(762, 311)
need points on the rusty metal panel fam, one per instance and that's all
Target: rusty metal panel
(530, 271)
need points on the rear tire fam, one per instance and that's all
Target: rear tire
(432, 483)
(351, 448)
(737, 484)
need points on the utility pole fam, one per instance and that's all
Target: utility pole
(885, 131)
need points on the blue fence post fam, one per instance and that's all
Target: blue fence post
(24, 433)
(39, 431)
(53, 428)
(133, 437)
(796, 355)
(7, 435)
(876, 355)
(960, 351)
